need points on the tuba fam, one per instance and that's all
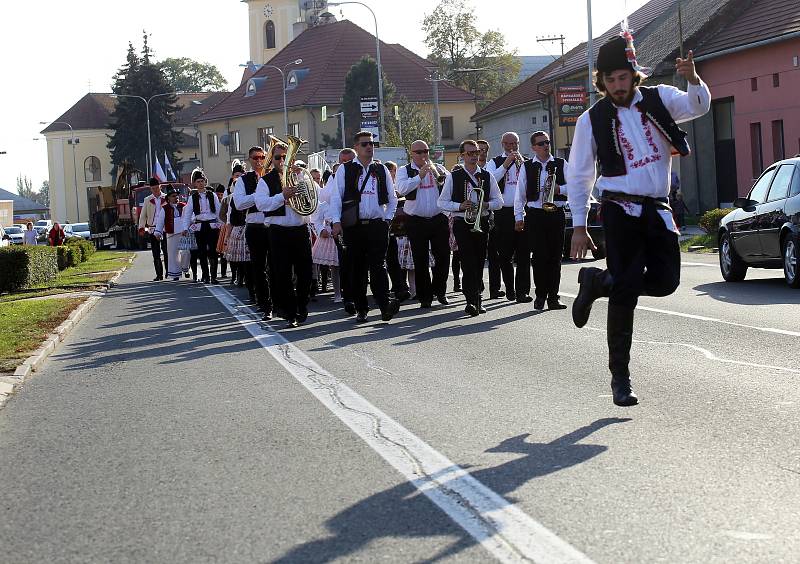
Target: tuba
(476, 195)
(549, 190)
(306, 198)
(272, 142)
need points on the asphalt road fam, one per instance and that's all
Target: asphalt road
(170, 428)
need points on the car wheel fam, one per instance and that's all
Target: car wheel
(790, 266)
(731, 265)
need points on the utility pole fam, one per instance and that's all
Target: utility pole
(559, 38)
(590, 53)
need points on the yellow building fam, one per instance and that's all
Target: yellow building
(328, 51)
(73, 168)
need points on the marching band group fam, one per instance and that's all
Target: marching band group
(281, 227)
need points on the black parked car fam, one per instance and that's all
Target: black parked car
(763, 229)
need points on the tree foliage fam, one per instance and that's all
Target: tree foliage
(25, 187)
(454, 42)
(362, 81)
(141, 76)
(44, 193)
(188, 75)
(415, 123)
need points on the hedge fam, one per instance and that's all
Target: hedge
(83, 247)
(67, 256)
(26, 265)
(709, 222)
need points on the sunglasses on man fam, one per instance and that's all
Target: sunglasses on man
(472, 153)
(370, 144)
(542, 143)
(279, 158)
(258, 158)
(421, 151)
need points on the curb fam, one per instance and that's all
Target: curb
(9, 384)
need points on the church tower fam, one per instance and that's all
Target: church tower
(272, 26)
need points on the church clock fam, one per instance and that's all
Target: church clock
(268, 11)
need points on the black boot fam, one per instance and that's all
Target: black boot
(595, 283)
(620, 335)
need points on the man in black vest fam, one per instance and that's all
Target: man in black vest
(362, 205)
(289, 244)
(203, 220)
(455, 198)
(421, 182)
(630, 132)
(255, 233)
(504, 240)
(541, 222)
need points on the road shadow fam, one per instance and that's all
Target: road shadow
(404, 512)
(765, 291)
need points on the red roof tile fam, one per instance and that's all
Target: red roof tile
(328, 52)
(764, 19)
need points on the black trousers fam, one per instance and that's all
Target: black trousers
(157, 247)
(366, 249)
(345, 272)
(257, 237)
(545, 234)
(642, 254)
(290, 269)
(430, 233)
(503, 245)
(207, 250)
(396, 274)
(472, 248)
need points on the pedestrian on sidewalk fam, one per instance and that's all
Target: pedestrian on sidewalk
(29, 236)
(56, 236)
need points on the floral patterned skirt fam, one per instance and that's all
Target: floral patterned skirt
(236, 246)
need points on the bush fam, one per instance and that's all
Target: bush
(67, 256)
(83, 248)
(709, 222)
(25, 266)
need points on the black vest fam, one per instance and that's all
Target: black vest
(250, 181)
(273, 180)
(605, 122)
(412, 172)
(533, 176)
(235, 217)
(352, 172)
(461, 177)
(212, 201)
(498, 163)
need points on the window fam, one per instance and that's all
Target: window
(294, 129)
(723, 120)
(778, 150)
(263, 136)
(759, 191)
(533, 120)
(269, 33)
(780, 186)
(544, 119)
(753, 84)
(447, 128)
(776, 80)
(795, 190)
(235, 145)
(213, 145)
(755, 149)
(91, 169)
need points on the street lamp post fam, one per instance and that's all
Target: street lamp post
(74, 165)
(284, 85)
(590, 52)
(340, 115)
(147, 111)
(378, 61)
(436, 79)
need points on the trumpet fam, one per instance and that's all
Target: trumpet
(305, 199)
(549, 191)
(437, 174)
(472, 216)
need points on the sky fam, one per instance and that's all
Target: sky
(54, 52)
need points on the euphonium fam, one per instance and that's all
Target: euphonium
(472, 216)
(549, 191)
(272, 142)
(305, 199)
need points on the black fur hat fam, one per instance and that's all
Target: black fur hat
(197, 174)
(613, 56)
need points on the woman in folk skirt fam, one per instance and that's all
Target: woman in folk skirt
(169, 224)
(236, 251)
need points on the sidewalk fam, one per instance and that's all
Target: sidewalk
(689, 231)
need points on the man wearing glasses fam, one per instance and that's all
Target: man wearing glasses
(471, 244)
(504, 241)
(362, 204)
(483, 147)
(421, 181)
(255, 230)
(544, 228)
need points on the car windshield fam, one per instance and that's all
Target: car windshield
(41, 223)
(14, 230)
(80, 227)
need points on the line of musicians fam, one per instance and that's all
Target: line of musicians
(494, 208)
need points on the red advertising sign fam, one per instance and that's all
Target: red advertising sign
(571, 102)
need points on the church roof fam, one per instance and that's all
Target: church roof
(93, 111)
(328, 51)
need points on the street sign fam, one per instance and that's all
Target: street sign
(375, 132)
(437, 154)
(369, 104)
(571, 103)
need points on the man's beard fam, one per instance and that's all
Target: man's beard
(623, 99)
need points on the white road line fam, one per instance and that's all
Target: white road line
(713, 265)
(703, 318)
(499, 526)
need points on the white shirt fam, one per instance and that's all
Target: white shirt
(177, 220)
(246, 201)
(427, 202)
(646, 150)
(321, 218)
(521, 199)
(511, 174)
(368, 208)
(151, 209)
(206, 214)
(446, 202)
(29, 237)
(266, 203)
